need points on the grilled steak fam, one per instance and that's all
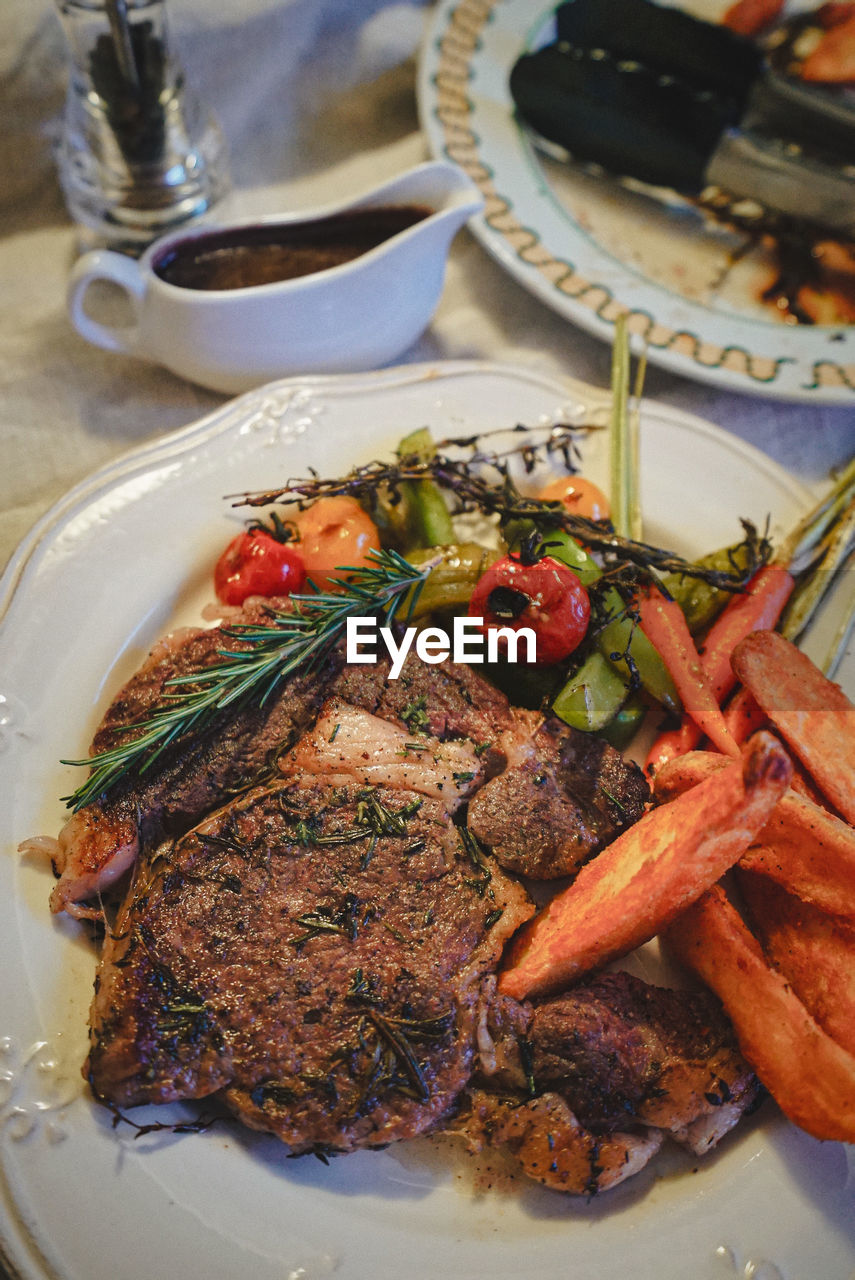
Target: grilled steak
(582, 1087)
(312, 954)
(101, 841)
(568, 797)
(318, 951)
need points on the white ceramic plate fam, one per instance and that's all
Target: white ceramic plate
(592, 249)
(121, 559)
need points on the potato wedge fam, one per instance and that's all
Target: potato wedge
(803, 847)
(649, 874)
(813, 714)
(810, 1076)
(809, 851)
(814, 951)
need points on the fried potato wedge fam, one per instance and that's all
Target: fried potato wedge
(810, 1076)
(808, 851)
(803, 847)
(649, 874)
(813, 714)
(814, 951)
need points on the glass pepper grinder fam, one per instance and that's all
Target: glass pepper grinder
(139, 155)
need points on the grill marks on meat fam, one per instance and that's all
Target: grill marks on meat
(583, 1086)
(312, 955)
(570, 795)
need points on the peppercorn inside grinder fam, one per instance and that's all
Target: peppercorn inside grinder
(139, 154)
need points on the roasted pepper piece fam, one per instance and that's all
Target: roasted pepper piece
(428, 521)
(457, 569)
(593, 696)
(627, 648)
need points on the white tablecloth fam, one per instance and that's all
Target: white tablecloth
(317, 100)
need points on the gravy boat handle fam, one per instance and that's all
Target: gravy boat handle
(116, 269)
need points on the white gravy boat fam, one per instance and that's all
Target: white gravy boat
(359, 314)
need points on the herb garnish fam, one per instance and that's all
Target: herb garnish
(284, 642)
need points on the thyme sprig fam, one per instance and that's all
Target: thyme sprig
(492, 492)
(275, 648)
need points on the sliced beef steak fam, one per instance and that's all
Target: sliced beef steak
(570, 795)
(447, 700)
(583, 1087)
(310, 953)
(101, 841)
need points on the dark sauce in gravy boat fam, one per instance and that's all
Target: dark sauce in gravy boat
(243, 257)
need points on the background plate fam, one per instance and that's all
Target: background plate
(592, 249)
(127, 555)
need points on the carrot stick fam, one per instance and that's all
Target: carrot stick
(810, 1076)
(814, 715)
(663, 623)
(802, 846)
(743, 715)
(649, 874)
(757, 608)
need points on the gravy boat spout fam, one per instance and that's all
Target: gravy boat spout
(346, 287)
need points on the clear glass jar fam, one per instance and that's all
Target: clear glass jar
(139, 154)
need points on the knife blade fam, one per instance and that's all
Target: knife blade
(660, 130)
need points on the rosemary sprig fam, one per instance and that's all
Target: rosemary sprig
(276, 648)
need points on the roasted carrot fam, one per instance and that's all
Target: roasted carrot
(814, 715)
(743, 715)
(810, 1076)
(757, 608)
(649, 874)
(663, 623)
(815, 951)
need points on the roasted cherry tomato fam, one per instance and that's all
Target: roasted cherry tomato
(255, 564)
(580, 496)
(546, 596)
(334, 532)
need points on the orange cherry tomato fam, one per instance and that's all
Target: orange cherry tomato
(334, 532)
(580, 496)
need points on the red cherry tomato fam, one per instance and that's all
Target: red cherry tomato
(255, 564)
(546, 596)
(580, 496)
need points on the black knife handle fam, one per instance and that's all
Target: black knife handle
(625, 118)
(669, 41)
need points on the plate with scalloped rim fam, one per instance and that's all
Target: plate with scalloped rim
(124, 557)
(593, 249)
